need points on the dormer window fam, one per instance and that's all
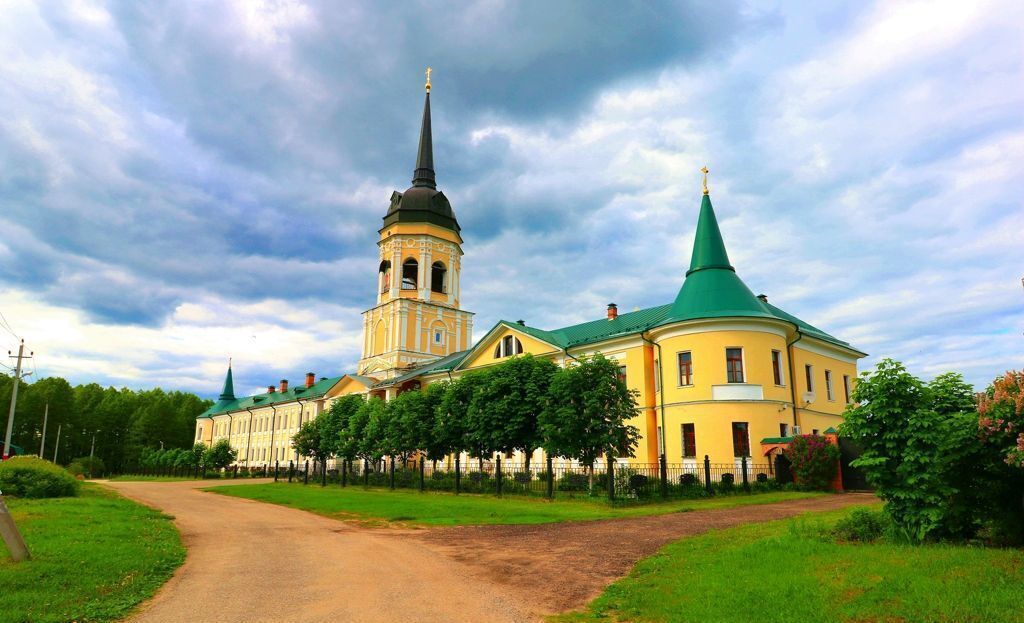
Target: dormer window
(437, 275)
(508, 346)
(410, 272)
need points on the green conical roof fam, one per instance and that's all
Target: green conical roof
(712, 289)
(229, 387)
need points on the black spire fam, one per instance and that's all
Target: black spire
(424, 173)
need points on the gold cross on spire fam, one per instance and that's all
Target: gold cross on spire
(704, 170)
(428, 79)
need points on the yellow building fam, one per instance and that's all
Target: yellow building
(717, 370)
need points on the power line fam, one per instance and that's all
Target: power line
(6, 325)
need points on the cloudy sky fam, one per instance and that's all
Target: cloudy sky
(182, 182)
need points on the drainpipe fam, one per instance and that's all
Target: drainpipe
(792, 373)
(661, 393)
(248, 437)
(231, 422)
(566, 351)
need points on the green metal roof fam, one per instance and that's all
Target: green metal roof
(711, 288)
(300, 392)
(777, 440)
(441, 365)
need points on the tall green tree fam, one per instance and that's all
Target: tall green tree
(589, 412)
(219, 455)
(503, 412)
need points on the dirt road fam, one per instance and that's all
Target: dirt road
(559, 567)
(250, 562)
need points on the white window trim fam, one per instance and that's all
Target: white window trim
(809, 377)
(829, 389)
(743, 365)
(782, 370)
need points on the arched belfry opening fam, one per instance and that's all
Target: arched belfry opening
(410, 273)
(385, 275)
(438, 273)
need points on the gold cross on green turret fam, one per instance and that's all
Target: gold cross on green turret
(427, 85)
(704, 170)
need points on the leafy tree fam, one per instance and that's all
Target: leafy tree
(814, 460)
(364, 434)
(452, 427)
(309, 442)
(445, 434)
(589, 413)
(219, 455)
(332, 422)
(503, 412)
(920, 449)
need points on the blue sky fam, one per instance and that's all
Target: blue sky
(184, 182)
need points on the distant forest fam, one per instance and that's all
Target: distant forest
(127, 420)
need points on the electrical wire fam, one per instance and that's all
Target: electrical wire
(6, 325)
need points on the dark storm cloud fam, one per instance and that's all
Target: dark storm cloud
(224, 147)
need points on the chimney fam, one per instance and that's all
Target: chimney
(763, 298)
(284, 385)
(613, 311)
(270, 389)
(521, 322)
(310, 379)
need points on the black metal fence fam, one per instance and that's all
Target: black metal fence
(622, 482)
(635, 481)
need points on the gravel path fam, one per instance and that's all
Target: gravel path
(336, 571)
(249, 561)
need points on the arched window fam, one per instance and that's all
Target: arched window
(410, 268)
(385, 276)
(508, 346)
(437, 274)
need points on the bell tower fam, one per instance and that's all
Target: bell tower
(417, 317)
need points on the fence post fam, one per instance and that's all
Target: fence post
(664, 476)
(291, 470)
(392, 472)
(423, 484)
(305, 474)
(458, 474)
(366, 473)
(746, 480)
(551, 478)
(707, 474)
(277, 465)
(611, 478)
(344, 473)
(497, 474)
(236, 471)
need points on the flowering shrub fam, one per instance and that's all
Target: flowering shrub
(1001, 416)
(814, 461)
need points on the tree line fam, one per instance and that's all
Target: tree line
(124, 421)
(579, 412)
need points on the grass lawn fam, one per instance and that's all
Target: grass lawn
(94, 557)
(446, 509)
(784, 571)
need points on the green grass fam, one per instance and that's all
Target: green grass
(94, 557)
(445, 509)
(785, 571)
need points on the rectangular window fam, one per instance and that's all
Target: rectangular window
(828, 384)
(620, 374)
(689, 441)
(685, 368)
(783, 429)
(657, 376)
(846, 387)
(438, 337)
(814, 431)
(734, 365)
(809, 374)
(777, 367)
(740, 439)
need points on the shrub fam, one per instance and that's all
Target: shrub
(688, 480)
(862, 525)
(544, 476)
(762, 478)
(638, 481)
(522, 477)
(32, 477)
(87, 467)
(571, 481)
(814, 461)
(728, 478)
(478, 476)
(439, 475)
(726, 483)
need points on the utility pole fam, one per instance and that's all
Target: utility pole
(14, 398)
(56, 446)
(92, 452)
(42, 442)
